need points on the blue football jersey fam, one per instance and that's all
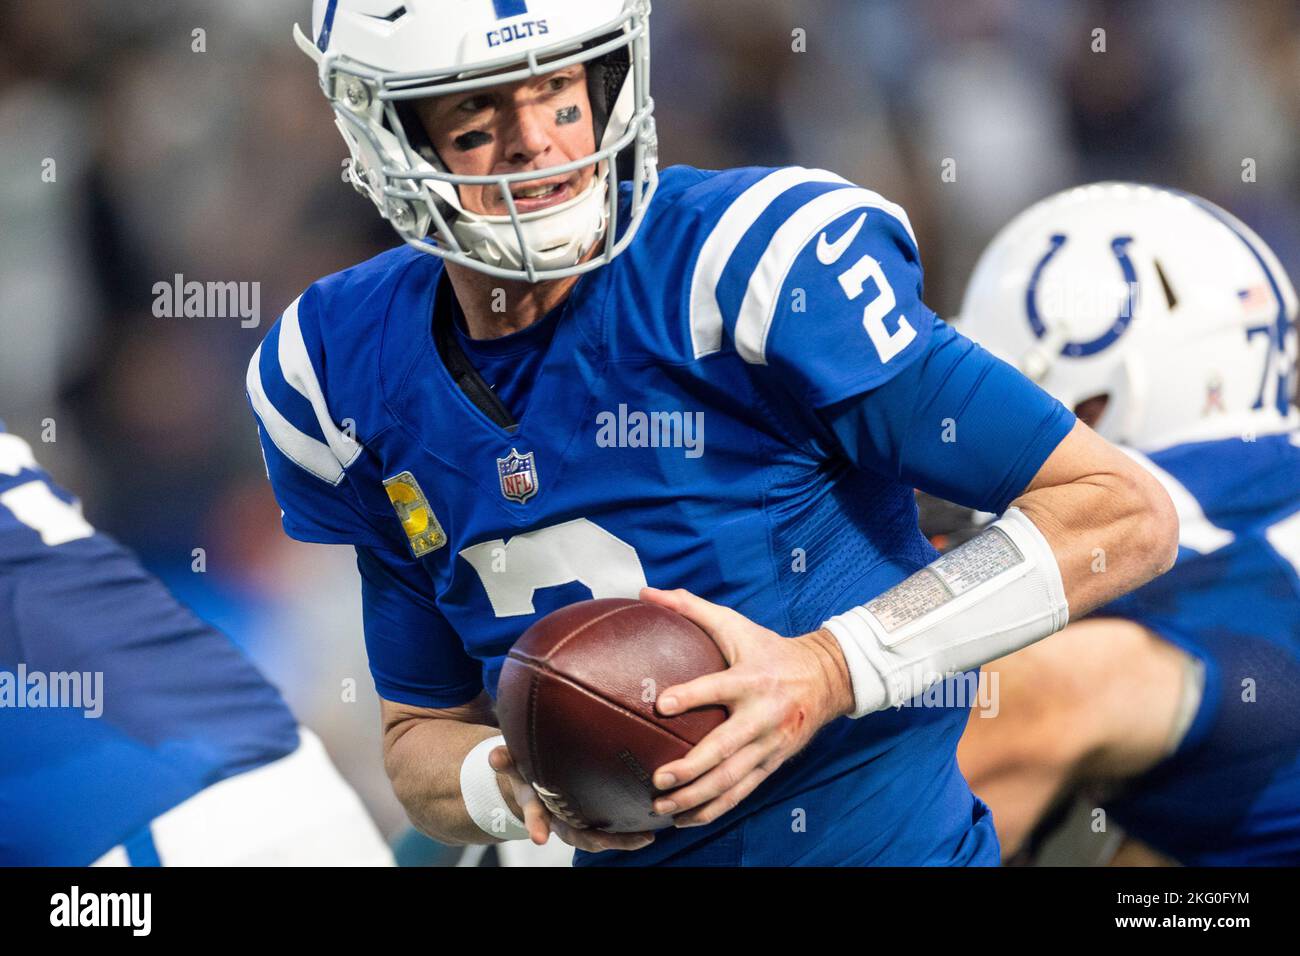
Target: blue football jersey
(740, 404)
(116, 703)
(1230, 794)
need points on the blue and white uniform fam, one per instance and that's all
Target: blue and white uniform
(740, 404)
(1230, 794)
(130, 731)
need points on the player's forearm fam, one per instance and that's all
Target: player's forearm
(423, 758)
(1091, 526)
(1111, 531)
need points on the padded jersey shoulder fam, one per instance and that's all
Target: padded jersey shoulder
(795, 269)
(348, 321)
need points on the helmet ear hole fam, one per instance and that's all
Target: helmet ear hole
(417, 134)
(605, 78)
(1090, 410)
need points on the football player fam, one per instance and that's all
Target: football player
(580, 377)
(1169, 326)
(131, 733)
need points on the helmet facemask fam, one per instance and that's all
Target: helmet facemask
(395, 165)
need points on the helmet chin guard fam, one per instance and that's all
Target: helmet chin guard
(373, 62)
(557, 237)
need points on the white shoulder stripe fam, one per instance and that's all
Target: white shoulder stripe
(303, 450)
(298, 372)
(1285, 538)
(1194, 529)
(706, 317)
(15, 455)
(759, 305)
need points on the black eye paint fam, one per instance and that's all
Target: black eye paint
(570, 114)
(471, 140)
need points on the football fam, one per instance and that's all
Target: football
(576, 703)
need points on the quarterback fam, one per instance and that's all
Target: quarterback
(445, 409)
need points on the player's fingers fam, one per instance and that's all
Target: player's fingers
(499, 759)
(536, 816)
(624, 841)
(726, 802)
(537, 819)
(717, 781)
(596, 841)
(721, 742)
(721, 687)
(578, 839)
(713, 618)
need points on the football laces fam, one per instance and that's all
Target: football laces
(557, 805)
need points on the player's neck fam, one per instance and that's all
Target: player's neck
(495, 307)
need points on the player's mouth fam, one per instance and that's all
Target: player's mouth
(529, 196)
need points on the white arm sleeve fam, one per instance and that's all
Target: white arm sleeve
(995, 594)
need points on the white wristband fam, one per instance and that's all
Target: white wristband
(995, 594)
(482, 796)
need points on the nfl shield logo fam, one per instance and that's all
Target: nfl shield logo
(518, 475)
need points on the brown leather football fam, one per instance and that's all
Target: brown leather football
(576, 706)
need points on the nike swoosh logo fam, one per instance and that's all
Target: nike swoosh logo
(391, 17)
(829, 253)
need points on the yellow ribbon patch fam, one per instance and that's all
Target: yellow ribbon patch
(419, 522)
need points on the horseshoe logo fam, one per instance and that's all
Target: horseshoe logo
(1119, 246)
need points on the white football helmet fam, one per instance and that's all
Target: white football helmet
(1160, 301)
(375, 57)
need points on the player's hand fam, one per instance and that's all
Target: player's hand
(779, 692)
(541, 822)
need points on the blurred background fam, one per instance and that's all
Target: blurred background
(224, 165)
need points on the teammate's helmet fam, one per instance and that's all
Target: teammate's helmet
(376, 57)
(1170, 308)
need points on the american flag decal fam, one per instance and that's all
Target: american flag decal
(518, 474)
(1256, 298)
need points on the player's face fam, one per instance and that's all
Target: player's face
(533, 124)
